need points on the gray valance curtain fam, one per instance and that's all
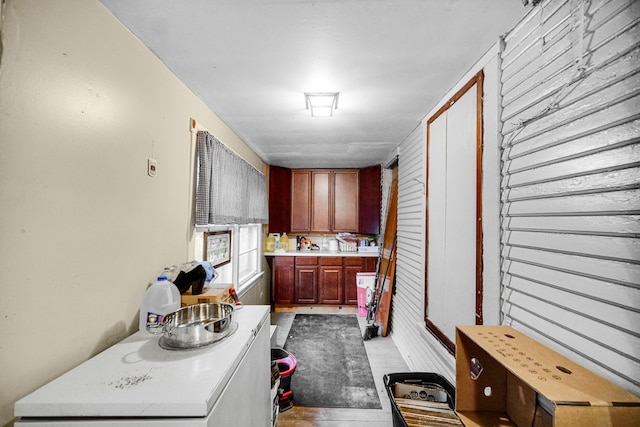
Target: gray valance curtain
(228, 189)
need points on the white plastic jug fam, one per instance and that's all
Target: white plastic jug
(162, 298)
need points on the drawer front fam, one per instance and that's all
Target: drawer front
(352, 260)
(282, 261)
(331, 260)
(369, 264)
(306, 260)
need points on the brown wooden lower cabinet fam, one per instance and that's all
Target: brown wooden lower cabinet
(352, 266)
(330, 280)
(306, 280)
(318, 280)
(283, 279)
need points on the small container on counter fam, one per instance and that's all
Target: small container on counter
(270, 243)
(293, 244)
(162, 298)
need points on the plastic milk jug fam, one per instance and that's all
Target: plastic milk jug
(162, 298)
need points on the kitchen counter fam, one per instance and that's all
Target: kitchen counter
(323, 254)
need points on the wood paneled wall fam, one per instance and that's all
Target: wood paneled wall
(571, 182)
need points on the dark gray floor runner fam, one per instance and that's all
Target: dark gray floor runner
(333, 369)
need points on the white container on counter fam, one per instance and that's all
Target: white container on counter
(162, 298)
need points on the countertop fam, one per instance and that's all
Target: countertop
(136, 377)
(323, 253)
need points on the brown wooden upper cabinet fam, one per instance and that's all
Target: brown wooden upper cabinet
(324, 200)
(369, 203)
(300, 201)
(346, 208)
(320, 201)
(279, 199)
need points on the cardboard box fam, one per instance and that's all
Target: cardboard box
(219, 293)
(505, 378)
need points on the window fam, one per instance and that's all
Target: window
(229, 190)
(245, 266)
(248, 254)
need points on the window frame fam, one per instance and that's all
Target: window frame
(231, 271)
(477, 83)
(244, 283)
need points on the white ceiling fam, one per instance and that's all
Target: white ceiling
(251, 61)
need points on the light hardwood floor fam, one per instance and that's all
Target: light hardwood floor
(384, 358)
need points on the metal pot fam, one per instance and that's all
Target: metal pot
(197, 325)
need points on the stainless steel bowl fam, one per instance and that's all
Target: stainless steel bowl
(197, 325)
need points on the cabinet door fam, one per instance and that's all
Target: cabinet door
(306, 284)
(300, 200)
(353, 266)
(279, 199)
(330, 280)
(283, 280)
(345, 201)
(369, 195)
(321, 201)
(350, 284)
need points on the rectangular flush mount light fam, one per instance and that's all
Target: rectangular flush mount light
(321, 104)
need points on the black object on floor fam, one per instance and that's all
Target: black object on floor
(333, 369)
(371, 331)
(413, 383)
(286, 365)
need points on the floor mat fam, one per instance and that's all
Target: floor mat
(333, 369)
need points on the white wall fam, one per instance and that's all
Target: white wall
(83, 229)
(421, 350)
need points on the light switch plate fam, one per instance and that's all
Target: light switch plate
(152, 167)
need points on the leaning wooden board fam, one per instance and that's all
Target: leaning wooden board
(386, 272)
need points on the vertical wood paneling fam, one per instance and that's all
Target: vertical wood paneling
(452, 276)
(570, 182)
(422, 351)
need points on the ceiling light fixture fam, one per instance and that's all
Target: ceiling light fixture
(321, 104)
